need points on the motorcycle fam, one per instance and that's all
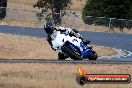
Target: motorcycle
(72, 47)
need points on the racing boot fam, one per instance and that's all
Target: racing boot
(86, 41)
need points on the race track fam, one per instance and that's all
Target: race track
(118, 41)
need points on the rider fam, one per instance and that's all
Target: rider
(48, 27)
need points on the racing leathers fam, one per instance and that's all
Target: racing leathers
(68, 31)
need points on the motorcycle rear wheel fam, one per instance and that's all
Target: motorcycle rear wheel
(71, 54)
(62, 56)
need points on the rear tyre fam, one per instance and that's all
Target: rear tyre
(92, 56)
(71, 54)
(62, 56)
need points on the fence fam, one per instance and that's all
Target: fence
(109, 22)
(70, 19)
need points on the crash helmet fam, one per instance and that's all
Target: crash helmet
(48, 27)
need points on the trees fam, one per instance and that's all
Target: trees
(3, 5)
(108, 8)
(101, 10)
(55, 6)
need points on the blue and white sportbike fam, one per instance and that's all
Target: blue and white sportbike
(71, 46)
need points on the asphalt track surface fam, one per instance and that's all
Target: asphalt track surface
(114, 40)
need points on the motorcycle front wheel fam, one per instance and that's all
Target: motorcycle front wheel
(92, 56)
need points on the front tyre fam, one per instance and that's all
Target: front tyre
(92, 56)
(71, 54)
